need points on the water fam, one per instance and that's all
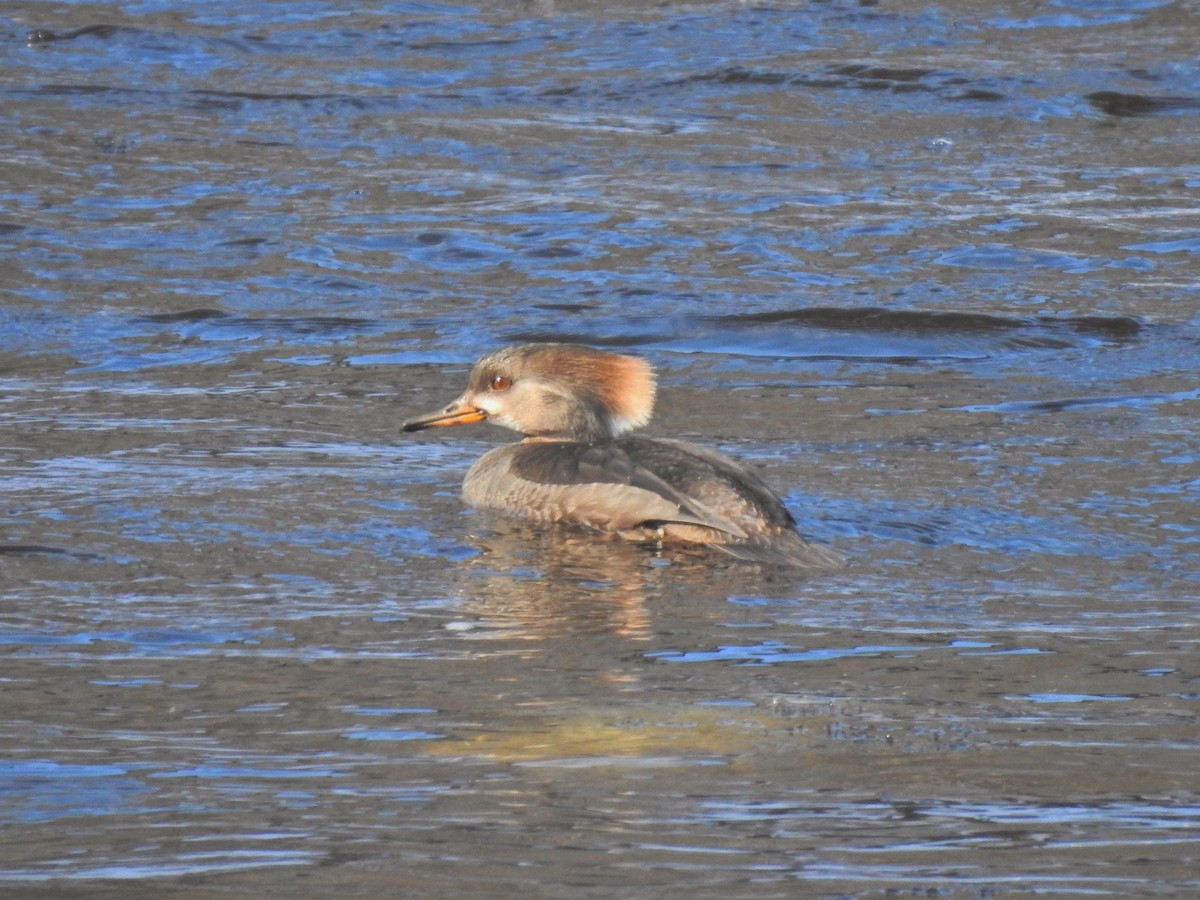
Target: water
(931, 269)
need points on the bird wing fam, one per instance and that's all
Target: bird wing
(604, 484)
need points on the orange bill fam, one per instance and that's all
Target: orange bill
(457, 413)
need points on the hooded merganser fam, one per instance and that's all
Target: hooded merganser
(573, 406)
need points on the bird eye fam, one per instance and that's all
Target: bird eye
(501, 382)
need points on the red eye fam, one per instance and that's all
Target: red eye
(501, 382)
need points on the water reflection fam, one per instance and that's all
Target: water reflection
(538, 584)
(932, 269)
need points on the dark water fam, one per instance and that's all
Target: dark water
(932, 269)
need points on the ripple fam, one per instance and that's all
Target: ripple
(1115, 103)
(771, 653)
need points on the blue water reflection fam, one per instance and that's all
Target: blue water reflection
(928, 268)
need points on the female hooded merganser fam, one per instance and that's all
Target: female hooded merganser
(573, 406)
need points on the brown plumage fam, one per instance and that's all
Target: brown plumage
(573, 405)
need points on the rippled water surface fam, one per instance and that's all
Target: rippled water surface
(932, 269)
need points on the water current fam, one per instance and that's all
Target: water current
(932, 269)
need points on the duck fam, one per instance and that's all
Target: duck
(577, 463)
